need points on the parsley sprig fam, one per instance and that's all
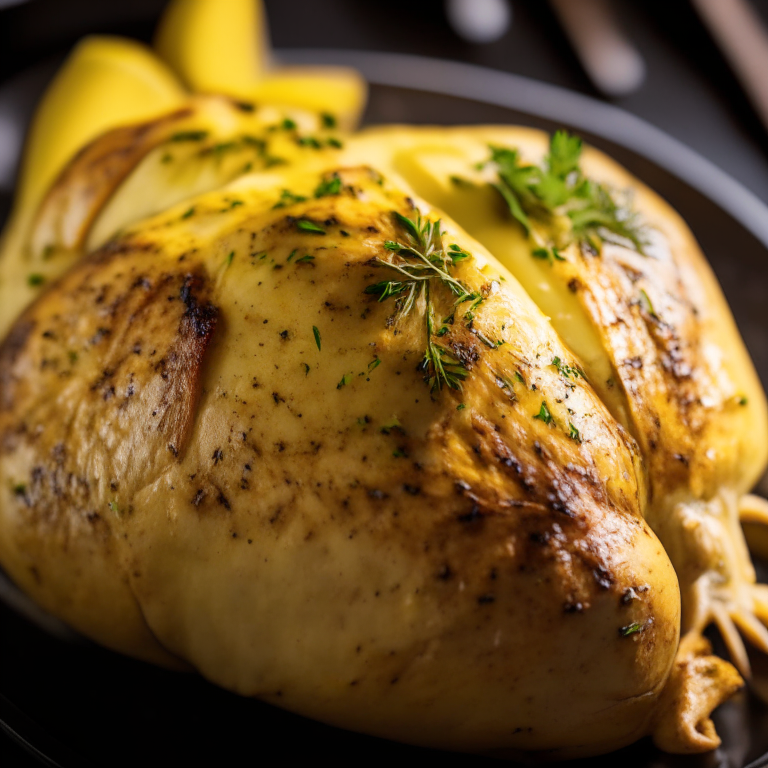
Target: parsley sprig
(558, 187)
(424, 266)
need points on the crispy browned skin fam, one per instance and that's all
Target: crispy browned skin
(184, 474)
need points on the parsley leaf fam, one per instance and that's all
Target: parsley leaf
(558, 187)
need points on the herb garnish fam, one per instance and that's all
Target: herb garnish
(574, 433)
(559, 187)
(345, 379)
(316, 332)
(544, 414)
(305, 225)
(288, 198)
(631, 629)
(329, 186)
(35, 280)
(568, 371)
(646, 304)
(328, 120)
(425, 264)
(189, 136)
(305, 259)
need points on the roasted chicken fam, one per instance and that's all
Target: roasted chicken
(423, 432)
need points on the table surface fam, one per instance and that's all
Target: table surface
(689, 90)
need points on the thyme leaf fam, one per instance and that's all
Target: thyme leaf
(423, 266)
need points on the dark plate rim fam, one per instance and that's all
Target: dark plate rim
(485, 85)
(551, 102)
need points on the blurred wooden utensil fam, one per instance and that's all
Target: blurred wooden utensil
(610, 59)
(742, 37)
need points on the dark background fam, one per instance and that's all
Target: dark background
(689, 90)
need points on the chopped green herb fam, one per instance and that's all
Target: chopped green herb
(224, 146)
(393, 423)
(316, 332)
(519, 377)
(20, 489)
(574, 433)
(73, 356)
(345, 379)
(304, 225)
(549, 254)
(166, 158)
(459, 181)
(305, 259)
(461, 406)
(329, 186)
(308, 141)
(544, 414)
(645, 303)
(457, 254)
(399, 453)
(375, 363)
(568, 371)
(743, 400)
(189, 212)
(230, 258)
(35, 280)
(328, 120)
(288, 124)
(189, 136)
(292, 254)
(631, 629)
(113, 506)
(288, 198)
(469, 314)
(334, 142)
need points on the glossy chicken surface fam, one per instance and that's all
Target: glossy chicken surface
(371, 425)
(296, 516)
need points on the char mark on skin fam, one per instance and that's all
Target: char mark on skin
(201, 318)
(11, 349)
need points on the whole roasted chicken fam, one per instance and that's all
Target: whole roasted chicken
(423, 432)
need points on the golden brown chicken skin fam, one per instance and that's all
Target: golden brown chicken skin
(214, 430)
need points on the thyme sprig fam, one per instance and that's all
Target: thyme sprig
(424, 265)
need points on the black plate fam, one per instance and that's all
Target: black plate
(73, 703)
